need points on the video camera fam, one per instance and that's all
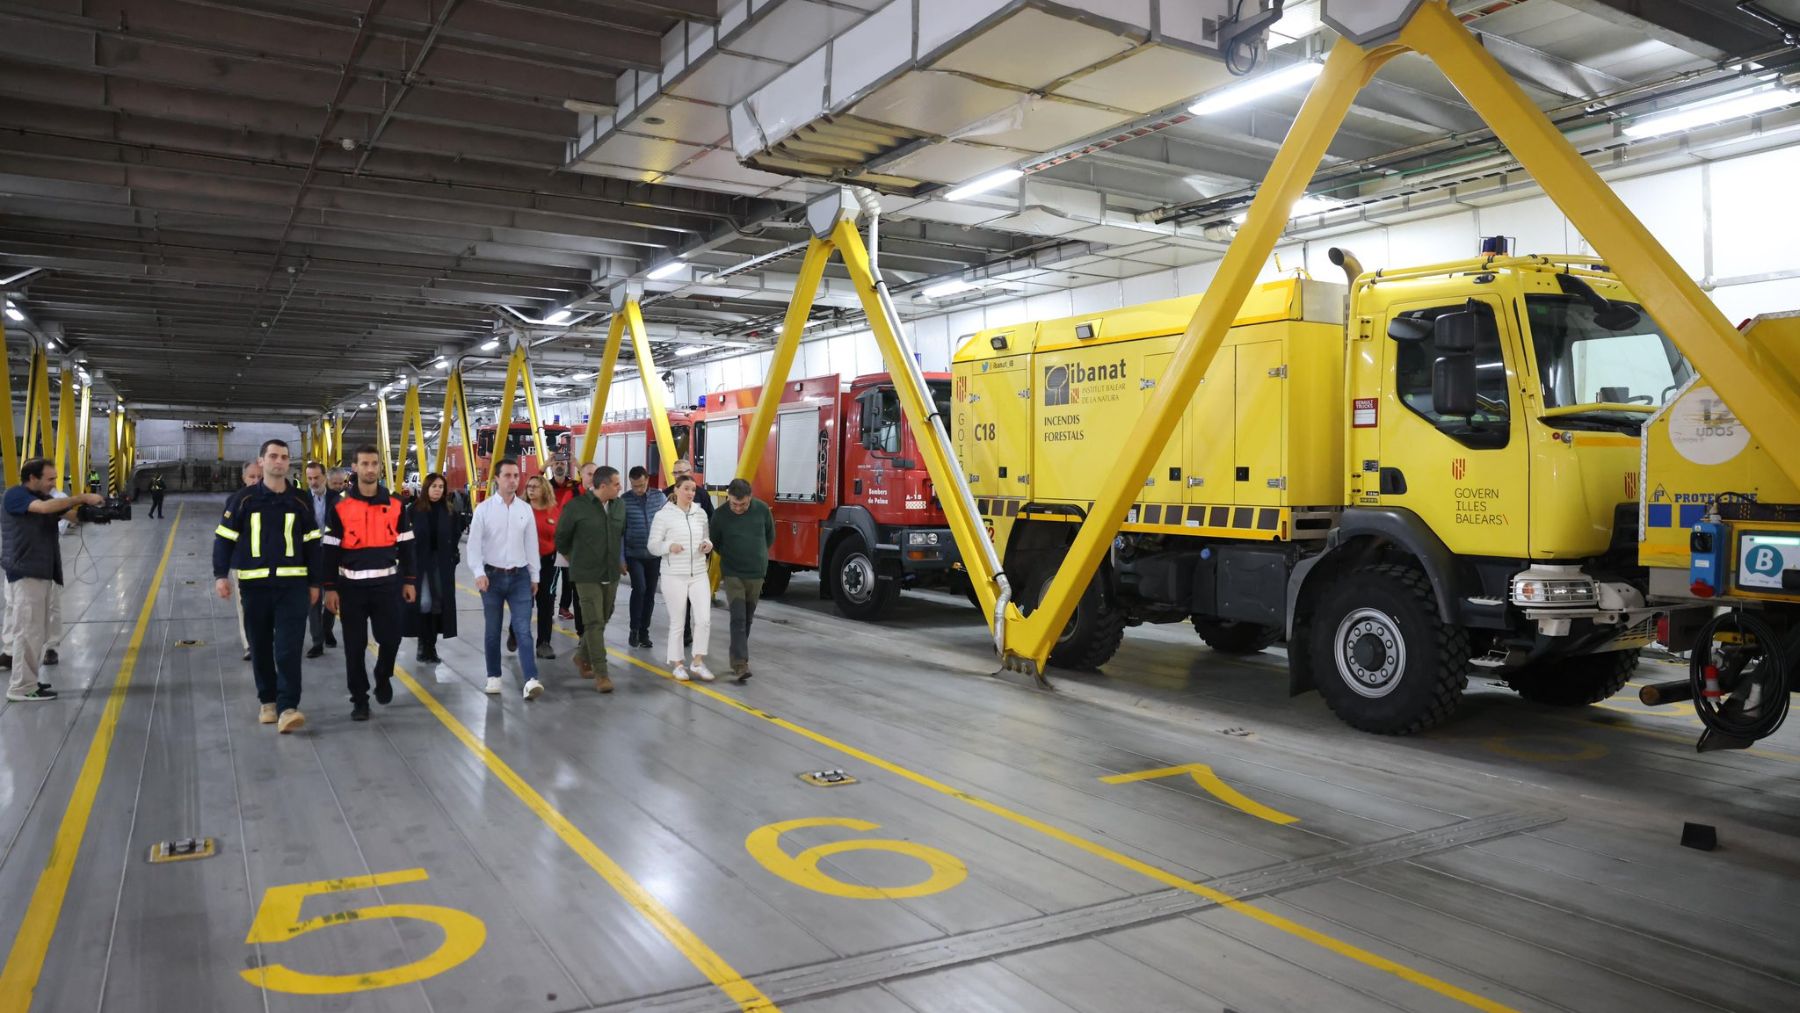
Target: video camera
(116, 508)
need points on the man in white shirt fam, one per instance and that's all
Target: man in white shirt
(502, 553)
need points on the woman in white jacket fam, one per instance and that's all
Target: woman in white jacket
(678, 534)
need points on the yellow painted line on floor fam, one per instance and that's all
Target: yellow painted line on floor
(1338, 946)
(25, 961)
(1213, 785)
(709, 962)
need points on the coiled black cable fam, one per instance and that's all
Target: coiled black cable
(1758, 643)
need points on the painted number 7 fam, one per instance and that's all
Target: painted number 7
(278, 920)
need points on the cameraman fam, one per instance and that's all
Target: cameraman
(31, 555)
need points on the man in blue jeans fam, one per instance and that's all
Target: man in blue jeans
(502, 554)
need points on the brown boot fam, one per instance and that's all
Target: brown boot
(582, 666)
(603, 682)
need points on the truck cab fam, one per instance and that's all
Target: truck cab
(1429, 474)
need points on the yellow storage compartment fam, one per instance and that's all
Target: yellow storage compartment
(1263, 435)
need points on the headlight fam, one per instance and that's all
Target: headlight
(921, 538)
(1553, 587)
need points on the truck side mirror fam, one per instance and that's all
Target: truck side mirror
(1453, 384)
(1460, 332)
(1409, 329)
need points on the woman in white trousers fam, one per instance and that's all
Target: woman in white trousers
(679, 535)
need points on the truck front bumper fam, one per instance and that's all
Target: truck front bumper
(926, 550)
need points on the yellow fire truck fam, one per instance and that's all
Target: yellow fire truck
(1428, 473)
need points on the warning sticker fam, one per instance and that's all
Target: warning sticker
(1703, 430)
(1362, 413)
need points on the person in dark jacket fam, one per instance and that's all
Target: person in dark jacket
(267, 536)
(319, 497)
(742, 534)
(157, 488)
(590, 534)
(436, 532)
(31, 555)
(645, 569)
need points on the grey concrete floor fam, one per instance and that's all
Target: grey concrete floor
(655, 850)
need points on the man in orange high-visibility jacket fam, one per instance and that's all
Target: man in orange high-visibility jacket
(369, 572)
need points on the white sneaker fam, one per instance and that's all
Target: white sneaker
(701, 672)
(680, 672)
(493, 687)
(533, 689)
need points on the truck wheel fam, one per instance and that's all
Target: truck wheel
(1384, 661)
(1093, 634)
(1229, 636)
(775, 580)
(1575, 682)
(856, 586)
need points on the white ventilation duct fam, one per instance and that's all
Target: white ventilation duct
(931, 92)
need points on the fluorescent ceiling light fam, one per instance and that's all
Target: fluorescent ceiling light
(583, 376)
(1712, 111)
(490, 344)
(559, 317)
(1306, 205)
(687, 350)
(659, 273)
(1261, 86)
(365, 404)
(955, 286)
(984, 183)
(442, 364)
(13, 314)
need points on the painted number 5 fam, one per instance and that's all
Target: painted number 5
(764, 843)
(278, 920)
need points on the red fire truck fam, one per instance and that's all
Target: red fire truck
(848, 489)
(626, 441)
(519, 446)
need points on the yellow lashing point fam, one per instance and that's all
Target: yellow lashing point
(1754, 391)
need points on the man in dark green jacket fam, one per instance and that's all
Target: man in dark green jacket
(742, 535)
(591, 535)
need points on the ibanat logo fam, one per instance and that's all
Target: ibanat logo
(1060, 381)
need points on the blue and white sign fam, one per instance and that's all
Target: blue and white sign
(1762, 558)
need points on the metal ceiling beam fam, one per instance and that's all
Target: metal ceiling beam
(1710, 29)
(1538, 69)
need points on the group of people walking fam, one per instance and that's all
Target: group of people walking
(304, 557)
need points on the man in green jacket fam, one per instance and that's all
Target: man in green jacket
(742, 535)
(591, 535)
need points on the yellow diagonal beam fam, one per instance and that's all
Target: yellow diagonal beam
(654, 395)
(609, 363)
(806, 289)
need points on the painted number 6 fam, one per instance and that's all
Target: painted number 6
(764, 844)
(278, 920)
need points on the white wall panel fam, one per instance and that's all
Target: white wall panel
(1753, 221)
(1147, 287)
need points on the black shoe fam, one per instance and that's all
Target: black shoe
(512, 641)
(743, 677)
(431, 659)
(360, 712)
(330, 641)
(5, 662)
(316, 651)
(246, 654)
(50, 656)
(384, 691)
(44, 687)
(546, 652)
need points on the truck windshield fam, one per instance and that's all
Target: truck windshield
(1589, 370)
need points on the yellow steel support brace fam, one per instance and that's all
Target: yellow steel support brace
(630, 319)
(65, 431)
(915, 401)
(609, 362)
(9, 440)
(130, 454)
(115, 448)
(456, 414)
(84, 436)
(412, 428)
(38, 436)
(383, 442)
(1683, 311)
(653, 389)
(518, 370)
(219, 435)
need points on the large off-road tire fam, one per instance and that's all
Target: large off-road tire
(1092, 635)
(775, 580)
(1382, 658)
(1575, 682)
(1228, 636)
(856, 584)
